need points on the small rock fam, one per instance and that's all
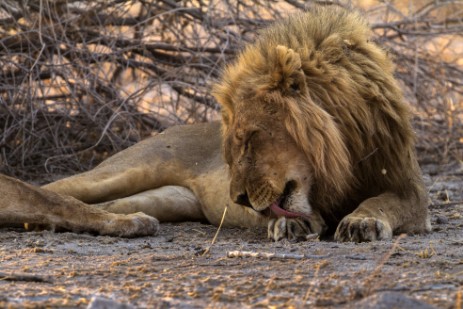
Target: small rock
(98, 302)
(440, 219)
(443, 195)
(388, 300)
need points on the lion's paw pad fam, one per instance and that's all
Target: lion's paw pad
(358, 229)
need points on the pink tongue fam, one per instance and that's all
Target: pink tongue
(277, 210)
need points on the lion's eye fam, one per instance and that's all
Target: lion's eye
(247, 142)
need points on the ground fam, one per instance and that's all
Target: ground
(45, 269)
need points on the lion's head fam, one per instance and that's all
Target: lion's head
(312, 117)
(278, 142)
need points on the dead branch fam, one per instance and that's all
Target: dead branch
(81, 79)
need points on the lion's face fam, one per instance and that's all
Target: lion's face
(268, 169)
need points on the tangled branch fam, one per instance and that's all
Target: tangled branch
(81, 79)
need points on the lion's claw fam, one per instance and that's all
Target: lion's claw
(293, 229)
(359, 229)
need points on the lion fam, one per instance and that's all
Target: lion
(315, 137)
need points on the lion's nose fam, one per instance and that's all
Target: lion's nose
(243, 199)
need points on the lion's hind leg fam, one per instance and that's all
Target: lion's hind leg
(377, 218)
(102, 183)
(23, 203)
(167, 204)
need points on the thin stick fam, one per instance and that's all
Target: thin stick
(436, 205)
(367, 284)
(23, 277)
(288, 256)
(217, 232)
(315, 276)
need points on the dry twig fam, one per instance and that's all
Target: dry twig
(368, 283)
(80, 80)
(208, 249)
(284, 256)
(23, 277)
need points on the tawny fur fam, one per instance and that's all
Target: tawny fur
(352, 122)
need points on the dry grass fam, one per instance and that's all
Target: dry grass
(80, 80)
(458, 301)
(370, 284)
(208, 249)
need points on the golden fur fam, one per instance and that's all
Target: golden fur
(314, 130)
(341, 102)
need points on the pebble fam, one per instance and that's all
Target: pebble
(98, 302)
(388, 300)
(440, 219)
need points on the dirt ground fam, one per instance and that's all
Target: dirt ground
(45, 269)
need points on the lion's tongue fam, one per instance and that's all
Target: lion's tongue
(277, 210)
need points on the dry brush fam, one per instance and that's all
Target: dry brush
(81, 79)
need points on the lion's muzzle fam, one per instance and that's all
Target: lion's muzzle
(277, 207)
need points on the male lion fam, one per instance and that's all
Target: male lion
(315, 135)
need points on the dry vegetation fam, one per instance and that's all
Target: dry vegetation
(82, 79)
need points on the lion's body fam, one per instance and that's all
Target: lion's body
(177, 175)
(174, 176)
(314, 127)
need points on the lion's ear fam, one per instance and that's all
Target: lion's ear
(226, 118)
(221, 92)
(287, 74)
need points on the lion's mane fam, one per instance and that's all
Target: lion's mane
(351, 120)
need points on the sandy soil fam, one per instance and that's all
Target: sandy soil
(45, 269)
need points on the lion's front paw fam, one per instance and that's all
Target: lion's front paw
(132, 225)
(360, 229)
(294, 229)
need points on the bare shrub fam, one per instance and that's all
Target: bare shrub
(82, 79)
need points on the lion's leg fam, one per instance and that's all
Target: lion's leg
(21, 203)
(167, 204)
(379, 217)
(100, 184)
